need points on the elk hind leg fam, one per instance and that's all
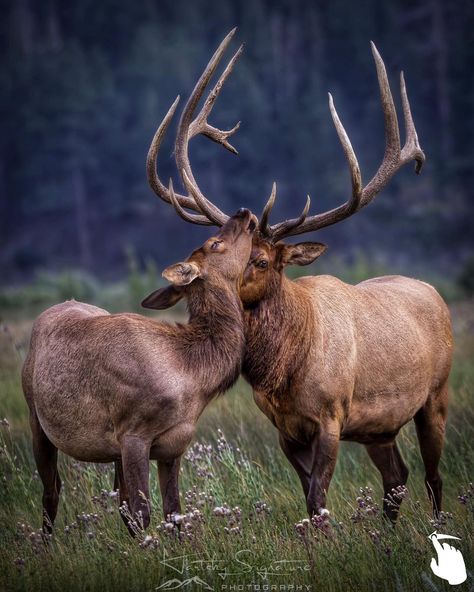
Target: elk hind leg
(389, 462)
(46, 458)
(430, 423)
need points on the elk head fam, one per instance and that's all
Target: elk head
(223, 257)
(269, 256)
(266, 264)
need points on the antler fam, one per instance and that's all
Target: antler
(206, 212)
(393, 160)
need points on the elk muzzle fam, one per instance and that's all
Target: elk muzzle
(243, 221)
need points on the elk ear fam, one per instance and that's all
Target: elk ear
(182, 274)
(163, 298)
(300, 254)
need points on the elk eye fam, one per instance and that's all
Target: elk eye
(263, 264)
(215, 245)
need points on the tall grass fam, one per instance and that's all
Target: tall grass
(243, 525)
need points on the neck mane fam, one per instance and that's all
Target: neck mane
(212, 343)
(278, 338)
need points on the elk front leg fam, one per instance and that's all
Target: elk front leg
(325, 447)
(168, 473)
(135, 461)
(300, 457)
(119, 484)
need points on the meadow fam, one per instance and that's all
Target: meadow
(244, 523)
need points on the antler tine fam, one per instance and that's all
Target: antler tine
(267, 209)
(151, 163)
(394, 158)
(201, 126)
(188, 129)
(354, 168)
(289, 225)
(202, 202)
(411, 139)
(392, 133)
(194, 218)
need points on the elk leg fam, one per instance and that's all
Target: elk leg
(430, 424)
(46, 457)
(300, 457)
(119, 484)
(168, 473)
(388, 460)
(135, 459)
(325, 447)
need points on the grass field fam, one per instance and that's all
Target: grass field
(243, 529)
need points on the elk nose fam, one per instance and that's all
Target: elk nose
(241, 212)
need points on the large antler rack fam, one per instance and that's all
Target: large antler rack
(203, 211)
(394, 159)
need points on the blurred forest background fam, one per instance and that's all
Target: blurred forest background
(84, 84)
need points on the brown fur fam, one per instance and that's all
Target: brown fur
(329, 361)
(124, 388)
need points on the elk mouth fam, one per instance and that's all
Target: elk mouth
(252, 225)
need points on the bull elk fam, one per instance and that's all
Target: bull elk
(329, 361)
(124, 388)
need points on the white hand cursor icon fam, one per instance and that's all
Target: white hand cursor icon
(450, 565)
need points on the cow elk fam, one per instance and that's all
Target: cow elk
(124, 388)
(330, 361)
